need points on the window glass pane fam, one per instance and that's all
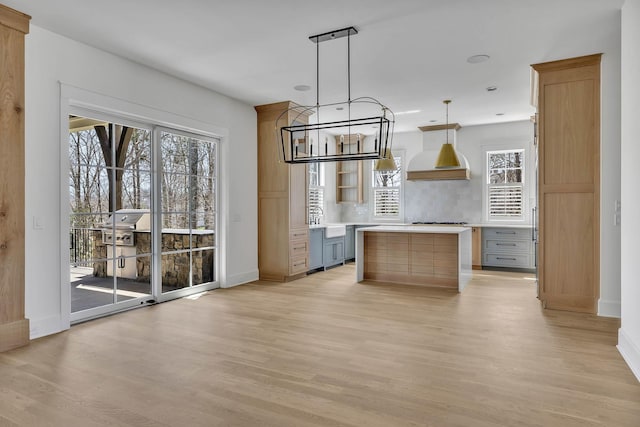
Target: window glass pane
(139, 151)
(497, 176)
(84, 148)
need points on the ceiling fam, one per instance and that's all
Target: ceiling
(409, 54)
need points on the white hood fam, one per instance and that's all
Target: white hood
(423, 165)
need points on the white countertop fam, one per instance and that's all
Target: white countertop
(386, 224)
(494, 225)
(442, 229)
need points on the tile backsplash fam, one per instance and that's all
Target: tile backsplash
(443, 201)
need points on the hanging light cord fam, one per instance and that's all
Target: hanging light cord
(446, 102)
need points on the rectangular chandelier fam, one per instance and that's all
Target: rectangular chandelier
(358, 134)
(305, 143)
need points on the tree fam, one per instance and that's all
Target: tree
(122, 138)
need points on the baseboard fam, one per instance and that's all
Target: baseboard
(630, 352)
(240, 279)
(609, 308)
(47, 326)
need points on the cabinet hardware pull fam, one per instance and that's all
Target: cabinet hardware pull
(505, 244)
(505, 232)
(508, 259)
(3, 246)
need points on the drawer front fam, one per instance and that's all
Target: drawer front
(519, 246)
(298, 247)
(507, 260)
(298, 264)
(299, 234)
(499, 233)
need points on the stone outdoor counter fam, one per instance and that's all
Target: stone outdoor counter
(176, 258)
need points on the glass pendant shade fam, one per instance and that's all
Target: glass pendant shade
(386, 163)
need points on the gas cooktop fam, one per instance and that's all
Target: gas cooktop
(440, 222)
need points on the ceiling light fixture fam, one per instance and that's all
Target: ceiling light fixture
(447, 157)
(358, 115)
(492, 88)
(401, 113)
(387, 163)
(476, 59)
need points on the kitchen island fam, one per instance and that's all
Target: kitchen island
(415, 254)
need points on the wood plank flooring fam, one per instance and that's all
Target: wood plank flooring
(326, 351)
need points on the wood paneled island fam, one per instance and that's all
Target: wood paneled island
(415, 254)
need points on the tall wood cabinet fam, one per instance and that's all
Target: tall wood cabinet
(14, 327)
(283, 230)
(569, 183)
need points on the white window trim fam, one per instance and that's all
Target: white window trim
(528, 180)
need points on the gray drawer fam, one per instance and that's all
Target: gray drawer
(519, 246)
(507, 260)
(499, 233)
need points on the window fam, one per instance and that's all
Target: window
(387, 186)
(505, 184)
(316, 192)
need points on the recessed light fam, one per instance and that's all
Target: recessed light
(475, 59)
(302, 88)
(492, 88)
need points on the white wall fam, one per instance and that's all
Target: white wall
(609, 303)
(629, 334)
(51, 59)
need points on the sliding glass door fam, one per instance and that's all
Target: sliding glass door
(142, 214)
(188, 204)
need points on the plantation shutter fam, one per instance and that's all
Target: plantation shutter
(505, 201)
(387, 201)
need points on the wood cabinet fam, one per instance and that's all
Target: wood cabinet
(349, 175)
(476, 248)
(14, 327)
(569, 183)
(429, 259)
(283, 232)
(507, 247)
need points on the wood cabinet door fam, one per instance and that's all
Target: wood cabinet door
(569, 183)
(476, 248)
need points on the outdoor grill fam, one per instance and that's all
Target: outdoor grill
(126, 222)
(118, 233)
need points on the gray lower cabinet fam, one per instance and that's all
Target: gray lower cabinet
(350, 243)
(333, 251)
(507, 247)
(316, 236)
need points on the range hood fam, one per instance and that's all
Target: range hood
(422, 166)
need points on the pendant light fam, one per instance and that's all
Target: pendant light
(386, 163)
(447, 157)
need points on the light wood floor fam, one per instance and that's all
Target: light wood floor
(325, 351)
